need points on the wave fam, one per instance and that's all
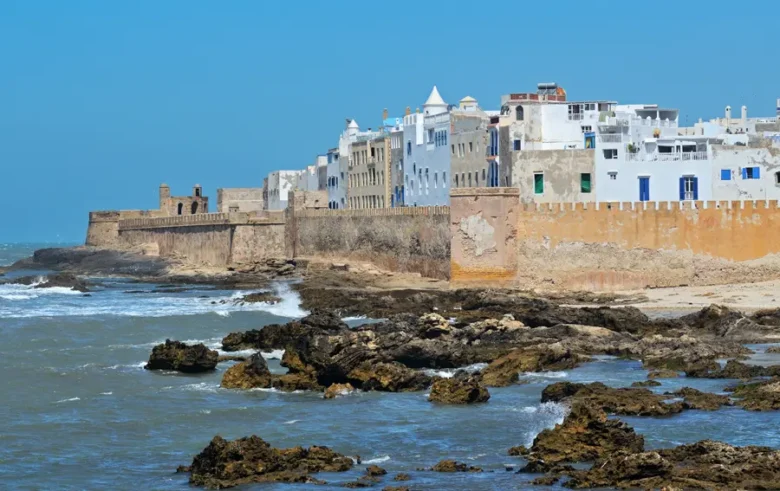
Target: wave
(23, 301)
(450, 372)
(292, 422)
(72, 399)
(544, 374)
(545, 416)
(377, 460)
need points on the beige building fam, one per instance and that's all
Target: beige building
(368, 184)
(183, 205)
(468, 141)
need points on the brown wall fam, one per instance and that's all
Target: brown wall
(204, 244)
(256, 241)
(600, 247)
(397, 239)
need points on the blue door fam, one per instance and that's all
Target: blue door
(644, 189)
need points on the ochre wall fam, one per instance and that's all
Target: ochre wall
(413, 240)
(601, 247)
(202, 244)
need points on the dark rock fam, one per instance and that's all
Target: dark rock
(586, 434)
(759, 396)
(175, 355)
(695, 399)
(58, 280)
(337, 390)
(721, 321)
(250, 374)
(247, 460)
(733, 369)
(223, 358)
(260, 297)
(545, 481)
(703, 465)
(505, 370)
(646, 383)
(375, 470)
(389, 377)
(458, 390)
(662, 374)
(402, 476)
(276, 336)
(395, 488)
(624, 401)
(773, 349)
(453, 466)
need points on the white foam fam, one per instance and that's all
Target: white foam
(276, 354)
(545, 374)
(106, 393)
(354, 318)
(377, 460)
(72, 399)
(205, 411)
(450, 372)
(546, 415)
(292, 422)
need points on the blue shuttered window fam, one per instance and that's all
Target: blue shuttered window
(682, 189)
(725, 174)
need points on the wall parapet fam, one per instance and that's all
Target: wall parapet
(184, 221)
(462, 192)
(376, 212)
(651, 206)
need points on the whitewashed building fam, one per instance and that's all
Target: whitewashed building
(280, 184)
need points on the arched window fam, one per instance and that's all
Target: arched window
(181, 207)
(194, 207)
(519, 113)
(456, 180)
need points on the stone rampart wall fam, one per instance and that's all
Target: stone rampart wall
(397, 239)
(602, 246)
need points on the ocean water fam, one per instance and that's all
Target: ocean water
(80, 412)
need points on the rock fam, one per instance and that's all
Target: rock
(733, 369)
(402, 476)
(662, 374)
(247, 460)
(759, 396)
(505, 370)
(375, 470)
(260, 297)
(337, 390)
(646, 383)
(291, 382)
(224, 358)
(250, 374)
(702, 465)
(395, 488)
(57, 280)
(458, 390)
(773, 350)
(175, 355)
(721, 321)
(388, 377)
(276, 336)
(545, 481)
(433, 326)
(695, 399)
(624, 401)
(518, 451)
(585, 435)
(453, 466)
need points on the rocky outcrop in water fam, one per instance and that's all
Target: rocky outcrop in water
(338, 390)
(278, 336)
(224, 464)
(624, 401)
(459, 389)
(585, 435)
(759, 396)
(259, 297)
(58, 280)
(181, 357)
(506, 369)
(453, 466)
(250, 374)
(702, 465)
(696, 399)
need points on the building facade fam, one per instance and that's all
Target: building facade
(468, 143)
(183, 205)
(280, 184)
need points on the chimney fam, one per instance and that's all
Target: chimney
(384, 114)
(744, 114)
(728, 114)
(409, 109)
(417, 110)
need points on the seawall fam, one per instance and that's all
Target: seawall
(603, 246)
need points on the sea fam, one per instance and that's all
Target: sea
(80, 412)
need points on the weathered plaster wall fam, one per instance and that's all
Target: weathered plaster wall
(257, 241)
(397, 239)
(561, 170)
(103, 227)
(483, 230)
(734, 158)
(248, 200)
(197, 244)
(601, 247)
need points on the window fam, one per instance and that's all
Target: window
(517, 144)
(777, 177)
(587, 129)
(444, 179)
(538, 183)
(689, 188)
(435, 180)
(471, 147)
(590, 107)
(476, 178)
(725, 174)
(612, 176)
(484, 175)
(610, 153)
(519, 113)
(453, 149)
(456, 180)
(751, 173)
(469, 179)
(430, 136)
(585, 183)
(408, 148)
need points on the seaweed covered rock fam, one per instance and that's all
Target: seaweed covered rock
(759, 396)
(459, 389)
(453, 466)
(250, 374)
(696, 399)
(181, 357)
(224, 463)
(506, 369)
(388, 377)
(624, 401)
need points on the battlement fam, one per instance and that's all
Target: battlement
(184, 221)
(376, 212)
(651, 206)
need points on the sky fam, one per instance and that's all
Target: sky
(102, 101)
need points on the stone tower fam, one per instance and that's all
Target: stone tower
(165, 196)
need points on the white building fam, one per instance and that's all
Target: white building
(280, 184)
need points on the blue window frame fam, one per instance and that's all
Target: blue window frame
(751, 173)
(725, 174)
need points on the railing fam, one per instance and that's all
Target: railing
(611, 137)
(673, 157)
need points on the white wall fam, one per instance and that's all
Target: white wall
(738, 188)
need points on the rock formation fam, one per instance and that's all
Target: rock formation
(175, 355)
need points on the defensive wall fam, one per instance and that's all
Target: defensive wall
(411, 239)
(498, 241)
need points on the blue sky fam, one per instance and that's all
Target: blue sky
(101, 101)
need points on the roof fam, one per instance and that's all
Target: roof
(353, 124)
(468, 98)
(435, 98)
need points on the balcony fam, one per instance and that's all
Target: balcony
(611, 138)
(674, 157)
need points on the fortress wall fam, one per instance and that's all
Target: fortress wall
(604, 246)
(196, 244)
(397, 239)
(257, 241)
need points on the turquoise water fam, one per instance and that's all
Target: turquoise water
(79, 411)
